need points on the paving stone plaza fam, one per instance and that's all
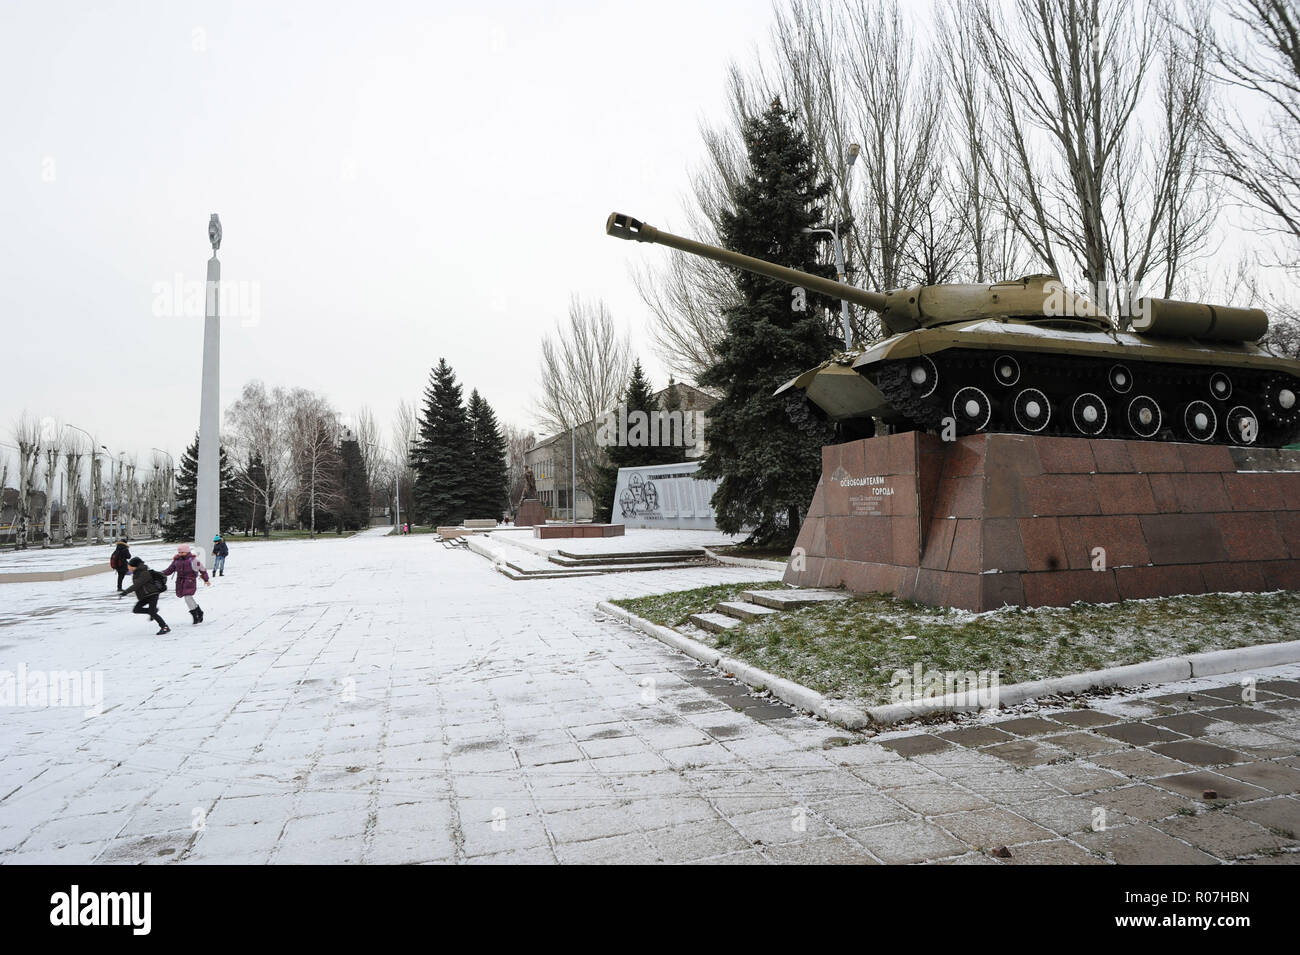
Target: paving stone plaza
(387, 700)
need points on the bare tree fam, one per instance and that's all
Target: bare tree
(314, 441)
(585, 365)
(4, 480)
(72, 481)
(993, 250)
(898, 109)
(850, 74)
(689, 295)
(1259, 54)
(27, 436)
(52, 449)
(406, 433)
(157, 492)
(1090, 192)
(376, 462)
(519, 442)
(259, 430)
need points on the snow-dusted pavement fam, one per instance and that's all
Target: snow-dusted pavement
(36, 557)
(634, 540)
(384, 699)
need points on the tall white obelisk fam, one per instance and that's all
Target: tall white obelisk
(207, 498)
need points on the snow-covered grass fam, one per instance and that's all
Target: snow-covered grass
(852, 648)
(672, 610)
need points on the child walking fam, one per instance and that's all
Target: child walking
(119, 561)
(147, 585)
(188, 568)
(219, 554)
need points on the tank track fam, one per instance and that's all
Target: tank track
(1081, 397)
(921, 413)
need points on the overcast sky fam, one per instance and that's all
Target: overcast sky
(397, 181)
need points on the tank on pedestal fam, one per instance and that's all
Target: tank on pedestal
(1028, 356)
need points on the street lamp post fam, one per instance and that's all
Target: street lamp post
(841, 271)
(115, 508)
(171, 476)
(839, 268)
(207, 504)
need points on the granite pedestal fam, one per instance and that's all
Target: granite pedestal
(532, 512)
(997, 519)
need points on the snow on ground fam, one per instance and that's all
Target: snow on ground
(386, 699)
(634, 540)
(56, 558)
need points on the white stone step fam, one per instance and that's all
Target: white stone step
(744, 610)
(788, 599)
(715, 622)
(516, 572)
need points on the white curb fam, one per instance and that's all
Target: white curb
(789, 692)
(42, 576)
(1168, 670)
(1243, 658)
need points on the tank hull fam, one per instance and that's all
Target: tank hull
(1063, 381)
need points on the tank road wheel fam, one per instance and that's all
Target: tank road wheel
(923, 376)
(1242, 425)
(1032, 410)
(1144, 416)
(971, 409)
(1281, 406)
(1089, 414)
(1006, 370)
(1121, 379)
(1221, 386)
(1199, 421)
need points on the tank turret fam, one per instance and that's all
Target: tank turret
(1030, 356)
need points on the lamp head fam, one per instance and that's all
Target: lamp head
(214, 231)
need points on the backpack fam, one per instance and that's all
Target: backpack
(114, 561)
(160, 581)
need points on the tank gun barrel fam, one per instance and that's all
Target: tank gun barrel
(625, 227)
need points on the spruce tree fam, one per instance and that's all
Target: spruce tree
(442, 479)
(672, 402)
(767, 464)
(180, 522)
(489, 476)
(354, 506)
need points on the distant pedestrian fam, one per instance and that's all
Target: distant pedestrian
(188, 569)
(147, 585)
(406, 528)
(219, 553)
(119, 562)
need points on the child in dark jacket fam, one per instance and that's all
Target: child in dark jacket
(121, 554)
(147, 586)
